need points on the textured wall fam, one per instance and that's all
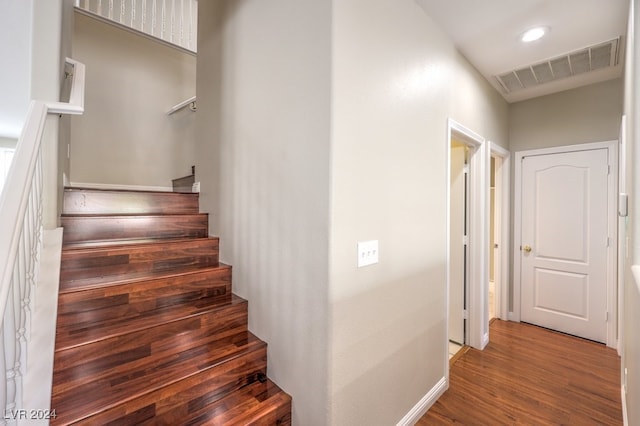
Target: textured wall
(125, 136)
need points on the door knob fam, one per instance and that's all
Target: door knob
(527, 249)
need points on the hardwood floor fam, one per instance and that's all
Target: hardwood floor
(528, 375)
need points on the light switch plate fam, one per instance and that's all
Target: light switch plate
(367, 253)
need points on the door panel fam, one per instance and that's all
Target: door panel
(564, 242)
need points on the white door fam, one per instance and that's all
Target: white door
(564, 242)
(457, 255)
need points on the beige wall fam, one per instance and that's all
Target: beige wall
(325, 125)
(587, 114)
(125, 136)
(263, 161)
(631, 292)
(396, 80)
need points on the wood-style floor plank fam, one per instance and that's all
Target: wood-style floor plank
(79, 263)
(83, 228)
(529, 375)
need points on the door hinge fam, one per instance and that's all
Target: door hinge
(608, 241)
(465, 314)
(465, 168)
(465, 240)
(606, 317)
(608, 170)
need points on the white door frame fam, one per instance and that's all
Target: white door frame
(612, 290)
(502, 222)
(477, 333)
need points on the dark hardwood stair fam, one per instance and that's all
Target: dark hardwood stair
(148, 329)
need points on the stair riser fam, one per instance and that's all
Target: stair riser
(109, 359)
(172, 401)
(81, 314)
(85, 263)
(113, 228)
(88, 201)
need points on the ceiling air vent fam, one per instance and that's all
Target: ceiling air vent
(592, 58)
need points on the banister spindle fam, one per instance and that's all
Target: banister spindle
(164, 16)
(10, 350)
(3, 377)
(144, 15)
(173, 20)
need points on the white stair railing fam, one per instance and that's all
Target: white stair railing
(172, 21)
(191, 103)
(21, 231)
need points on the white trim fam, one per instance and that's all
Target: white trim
(191, 103)
(119, 187)
(412, 417)
(478, 276)
(622, 233)
(503, 221)
(612, 284)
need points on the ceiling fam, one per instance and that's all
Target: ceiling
(487, 33)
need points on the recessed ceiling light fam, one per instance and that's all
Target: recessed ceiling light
(534, 34)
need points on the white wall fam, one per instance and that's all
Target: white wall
(396, 80)
(15, 74)
(125, 136)
(263, 162)
(326, 124)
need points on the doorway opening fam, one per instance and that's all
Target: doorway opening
(467, 237)
(498, 289)
(458, 247)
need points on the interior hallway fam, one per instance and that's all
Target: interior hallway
(534, 376)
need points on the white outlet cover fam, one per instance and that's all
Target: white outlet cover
(367, 253)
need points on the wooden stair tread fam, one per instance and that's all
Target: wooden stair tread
(98, 395)
(109, 244)
(109, 280)
(83, 333)
(259, 403)
(137, 191)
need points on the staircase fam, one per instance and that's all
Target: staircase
(148, 331)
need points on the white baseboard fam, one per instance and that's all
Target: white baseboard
(485, 340)
(120, 187)
(424, 404)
